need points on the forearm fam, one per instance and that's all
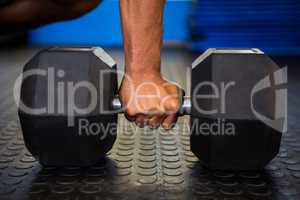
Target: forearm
(142, 26)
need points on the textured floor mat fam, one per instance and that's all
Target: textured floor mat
(143, 164)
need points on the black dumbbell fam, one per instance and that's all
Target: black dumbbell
(50, 138)
(242, 113)
(54, 83)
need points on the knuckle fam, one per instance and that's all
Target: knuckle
(140, 125)
(173, 105)
(153, 110)
(131, 112)
(166, 126)
(153, 125)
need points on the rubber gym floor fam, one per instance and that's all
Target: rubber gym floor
(143, 164)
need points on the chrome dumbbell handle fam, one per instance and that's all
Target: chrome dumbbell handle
(185, 108)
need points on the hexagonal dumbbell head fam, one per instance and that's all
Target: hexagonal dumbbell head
(65, 105)
(238, 112)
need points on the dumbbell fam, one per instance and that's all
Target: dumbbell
(53, 137)
(54, 87)
(243, 105)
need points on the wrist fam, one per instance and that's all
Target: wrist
(141, 61)
(143, 74)
(143, 68)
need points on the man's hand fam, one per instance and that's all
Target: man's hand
(146, 96)
(150, 100)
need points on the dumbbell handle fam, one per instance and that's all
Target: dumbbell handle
(185, 108)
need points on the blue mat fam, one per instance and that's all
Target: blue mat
(102, 26)
(273, 26)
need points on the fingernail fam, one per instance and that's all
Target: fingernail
(165, 126)
(140, 125)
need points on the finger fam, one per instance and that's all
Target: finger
(155, 121)
(172, 105)
(130, 117)
(181, 98)
(182, 92)
(169, 121)
(141, 120)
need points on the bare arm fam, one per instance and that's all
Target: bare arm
(142, 34)
(149, 99)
